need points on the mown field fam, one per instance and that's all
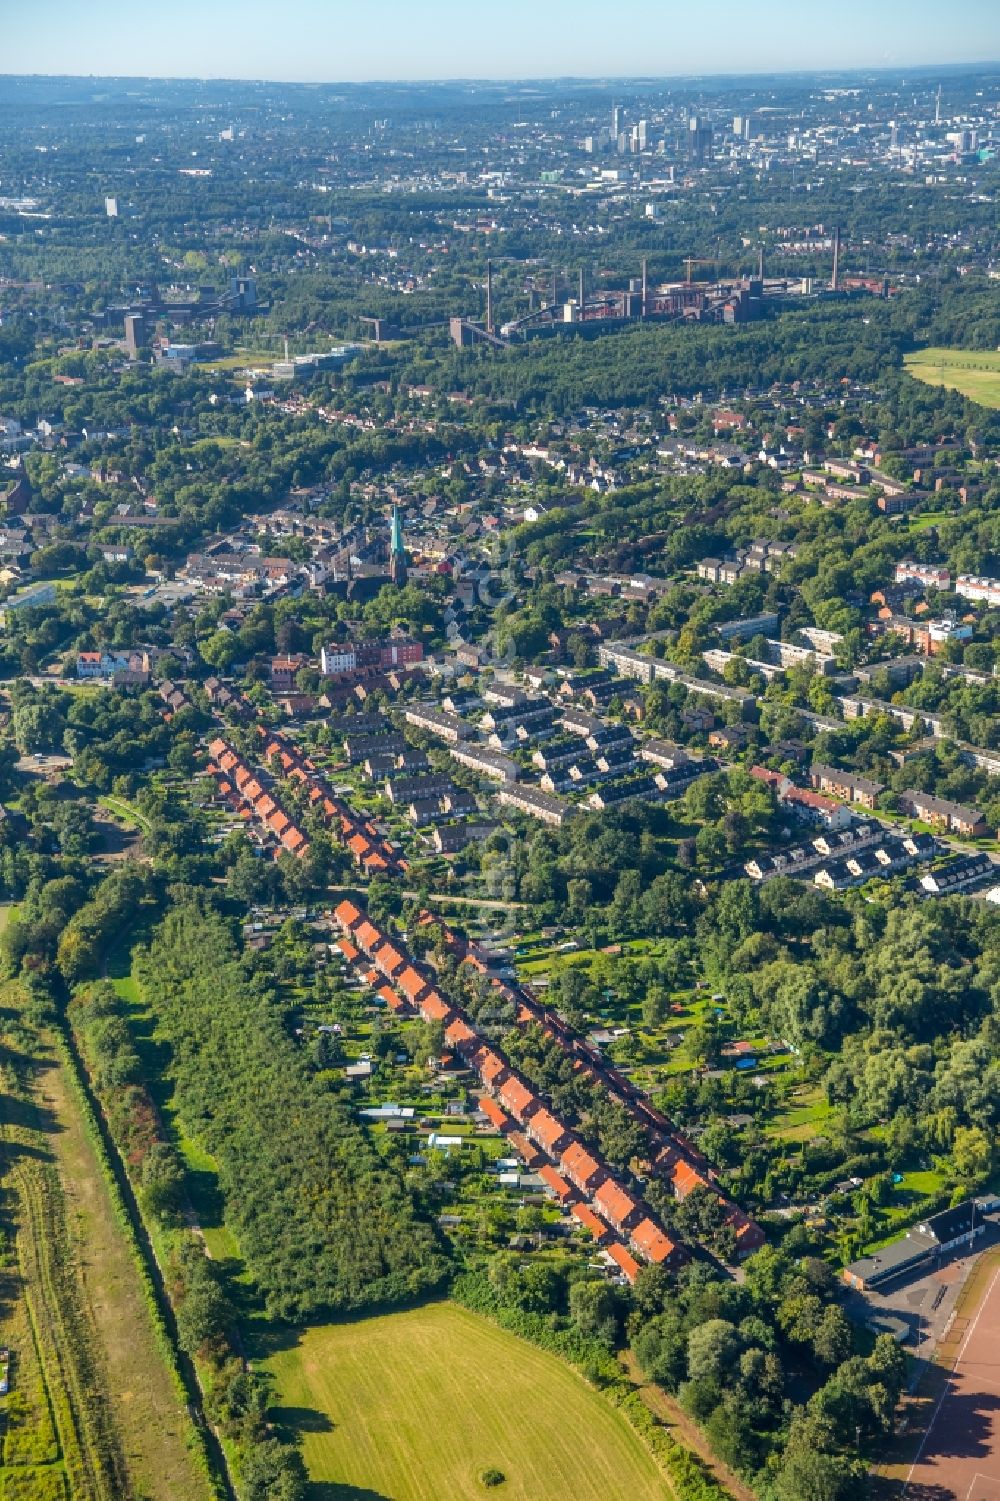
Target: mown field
(976, 373)
(415, 1406)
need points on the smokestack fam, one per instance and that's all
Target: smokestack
(760, 263)
(645, 287)
(555, 287)
(489, 297)
(581, 292)
(835, 278)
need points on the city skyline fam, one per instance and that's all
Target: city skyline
(315, 42)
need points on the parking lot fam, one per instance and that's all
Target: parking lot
(918, 1309)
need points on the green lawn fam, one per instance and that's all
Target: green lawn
(802, 1115)
(127, 812)
(414, 1406)
(928, 519)
(243, 359)
(976, 373)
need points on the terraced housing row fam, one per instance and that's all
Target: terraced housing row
(617, 1216)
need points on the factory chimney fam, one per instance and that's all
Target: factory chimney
(835, 278)
(582, 292)
(489, 296)
(760, 263)
(645, 288)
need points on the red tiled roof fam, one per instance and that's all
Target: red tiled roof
(496, 1117)
(624, 1260)
(809, 799)
(389, 959)
(525, 1149)
(368, 936)
(434, 1008)
(650, 1241)
(556, 1182)
(614, 1203)
(583, 1169)
(411, 983)
(518, 1098)
(685, 1179)
(547, 1130)
(347, 914)
(590, 1221)
(749, 1234)
(459, 1033)
(491, 1066)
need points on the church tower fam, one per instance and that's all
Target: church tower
(397, 551)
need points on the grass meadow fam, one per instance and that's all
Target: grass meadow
(976, 373)
(415, 1406)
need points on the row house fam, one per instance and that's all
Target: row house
(450, 728)
(960, 874)
(853, 706)
(845, 784)
(369, 849)
(930, 575)
(486, 763)
(982, 590)
(954, 817)
(536, 803)
(610, 1205)
(241, 788)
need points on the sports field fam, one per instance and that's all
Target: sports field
(959, 1457)
(415, 1406)
(974, 372)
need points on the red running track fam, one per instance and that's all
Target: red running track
(959, 1455)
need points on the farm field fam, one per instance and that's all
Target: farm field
(88, 1355)
(414, 1406)
(976, 373)
(152, 1418)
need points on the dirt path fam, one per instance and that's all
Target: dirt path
(152, 1418)
(686, 1431)
(442, 898)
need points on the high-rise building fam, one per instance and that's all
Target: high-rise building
(397, 550)
(243, 293)
(135, 333)
(617, 120)
(642, 130)
(699, 140)
(111, 207)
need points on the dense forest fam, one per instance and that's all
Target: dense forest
(324, 1225)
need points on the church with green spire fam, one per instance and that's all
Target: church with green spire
(397, 551)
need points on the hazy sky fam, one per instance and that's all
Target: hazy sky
(335, 40)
